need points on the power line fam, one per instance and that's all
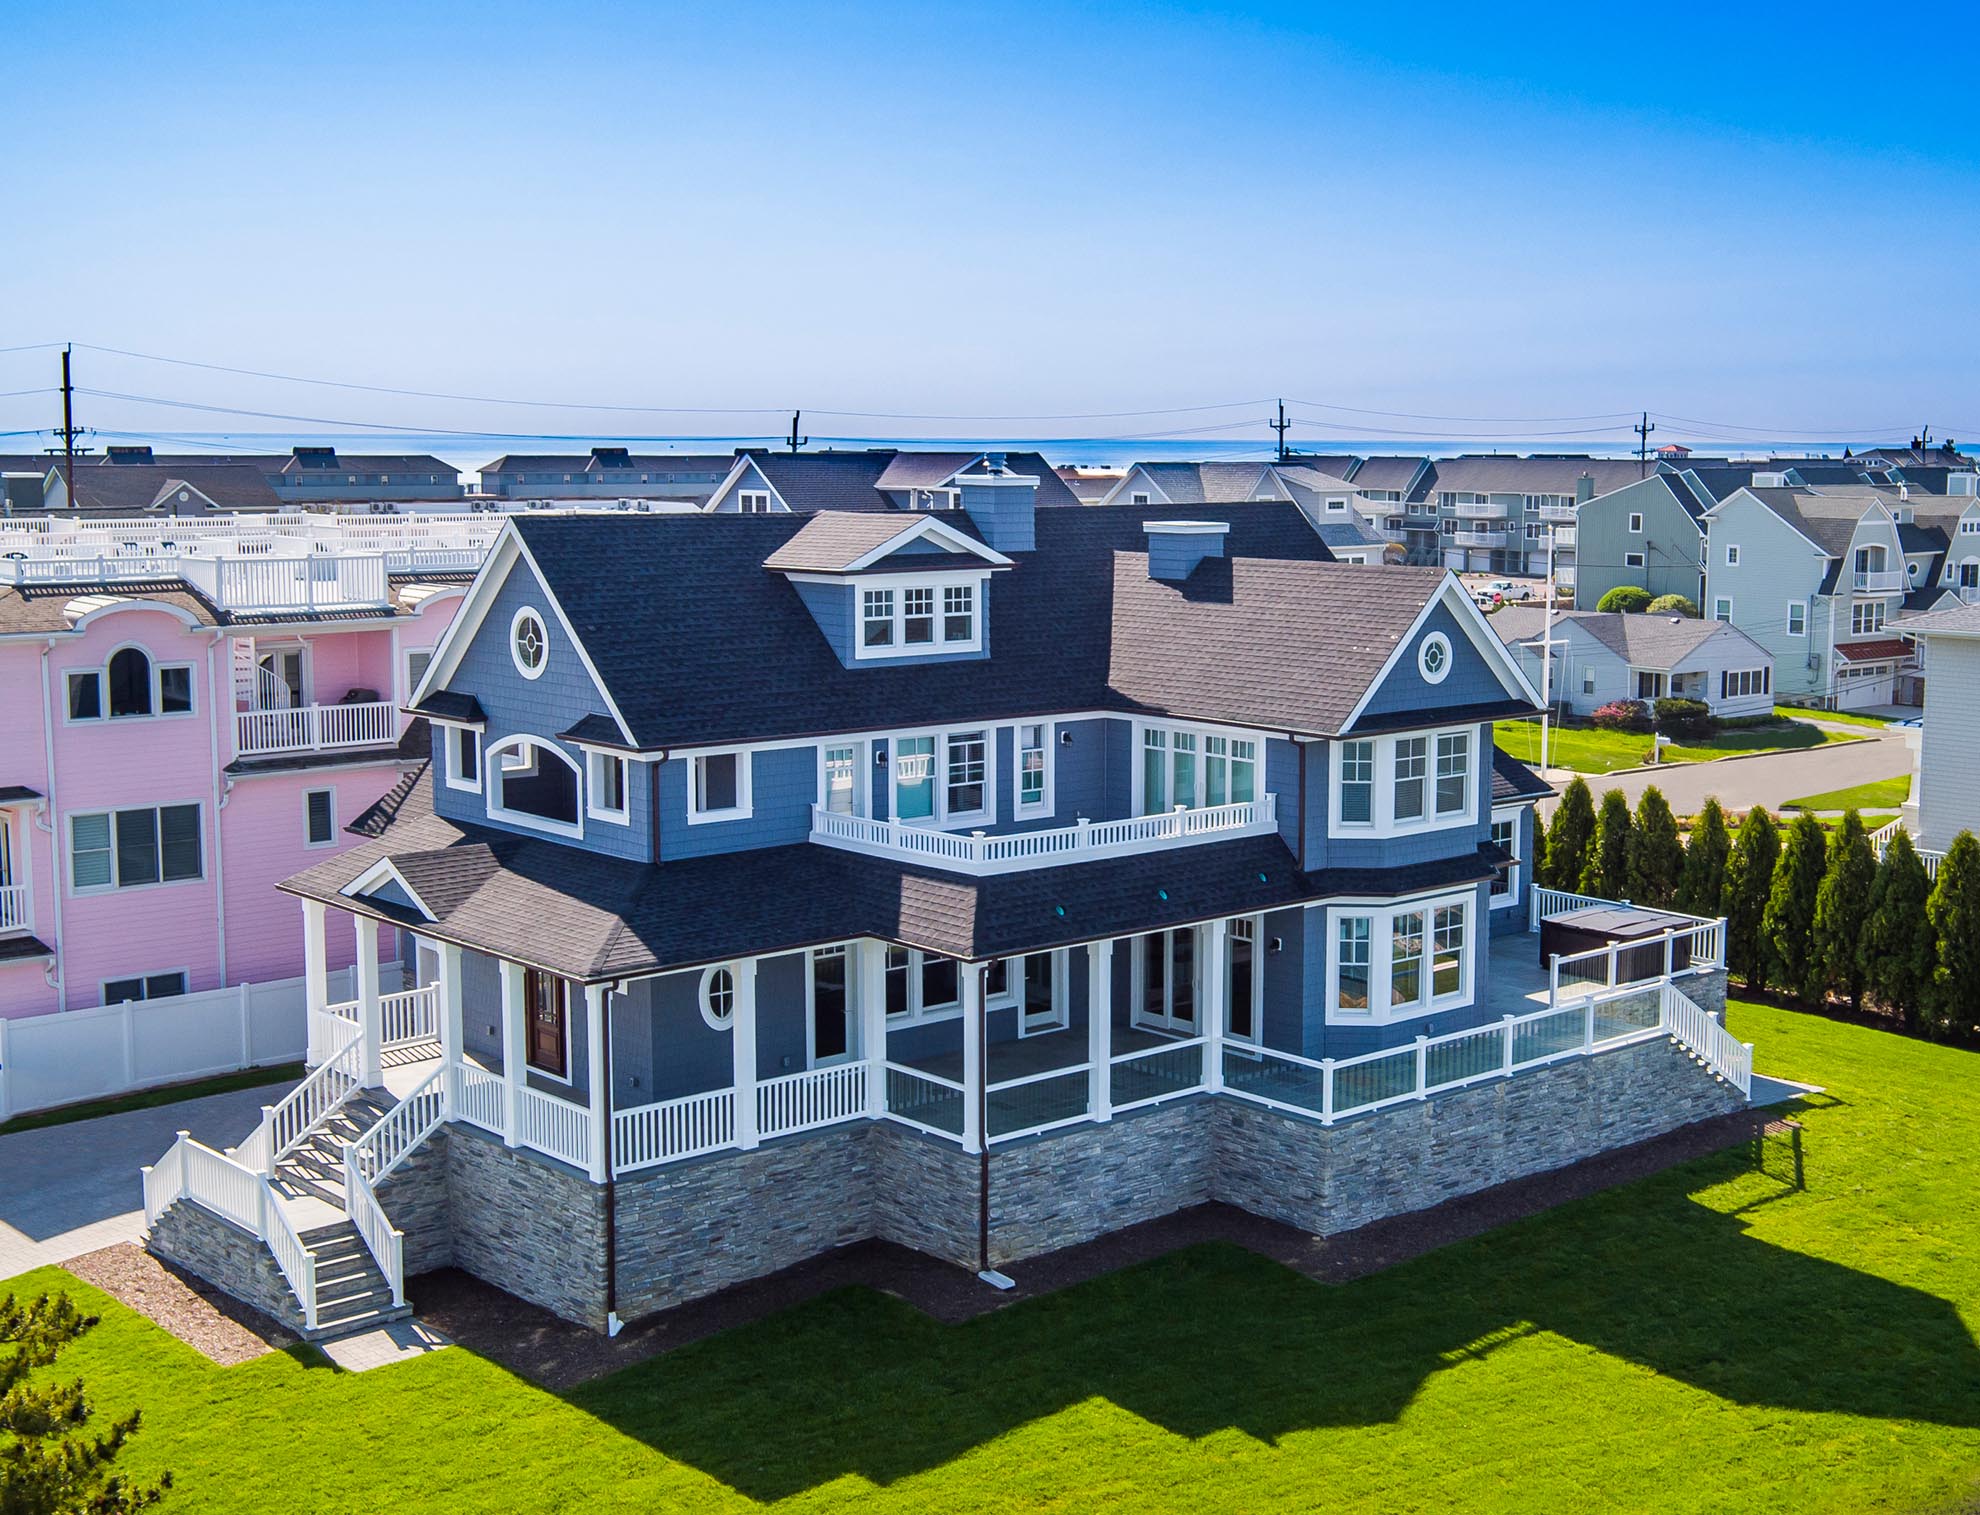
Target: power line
(1404, 415)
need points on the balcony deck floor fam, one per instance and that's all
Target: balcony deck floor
(1037, 1054)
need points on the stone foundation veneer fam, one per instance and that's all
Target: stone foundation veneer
(536, 1228)
(226, 1256)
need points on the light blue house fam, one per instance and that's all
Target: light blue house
(983, 880)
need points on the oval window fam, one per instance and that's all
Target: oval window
(527, 643)
(1433, 658)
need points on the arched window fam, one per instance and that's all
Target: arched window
(130, 682)
(718, 997)
(533, 781)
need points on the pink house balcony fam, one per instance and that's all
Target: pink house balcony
(315, 728)
(16, 909)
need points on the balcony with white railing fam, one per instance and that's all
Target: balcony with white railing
(1553, 512)
(1481, 538)
(16, 909)
(1880, 581)
(315, 728)
(1008, 852)
(1488, 511)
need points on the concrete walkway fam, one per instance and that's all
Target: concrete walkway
(1770, 779)
(66, 1190)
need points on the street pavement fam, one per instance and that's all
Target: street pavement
(1771, 779)
(66, 1190)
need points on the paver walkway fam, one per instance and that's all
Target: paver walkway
(66, 1190)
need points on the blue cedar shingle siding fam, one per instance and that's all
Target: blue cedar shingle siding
(1174, 555)
(783, 787)
(393, 893)
(1282, 761)
(1006, 514)
(835, 607)
(564, 695)
(1285, 980)
(1471, 681)
(1394, 851)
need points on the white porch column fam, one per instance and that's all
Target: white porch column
(870, 975)
(972, 1031)
(1100, 1029)
(512, 1052)
(742, 1041)
(1216, 992)
(371, 1072)
(316, 977)
(601, 1096)
(453, 1018)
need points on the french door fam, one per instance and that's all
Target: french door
(830, 1031)
(1043, 1006)
(1166, 981)
(547, 1019)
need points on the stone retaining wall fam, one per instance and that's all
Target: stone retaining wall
(414, 1198)
(227, 1257)
(526, 1224)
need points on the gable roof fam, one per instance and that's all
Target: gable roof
(144, 487)
(1513, 780)
(1476, 473)
(1640, 639)
(837, 542)
(1199, 483)
(808, 482)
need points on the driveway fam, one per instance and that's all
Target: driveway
(66, 1190)
(1770, 779)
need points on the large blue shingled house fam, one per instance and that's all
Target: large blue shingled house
(984, 879)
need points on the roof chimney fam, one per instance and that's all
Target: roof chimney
(1004, 506)
(1584, 488)
(1176, 547)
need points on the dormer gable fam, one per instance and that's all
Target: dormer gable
(887, 590)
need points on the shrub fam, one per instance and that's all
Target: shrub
(1702, 883)
(1842, 908)
(1677, 717)
(1628, 598)
(1672, 604)
(1787, 928)
(1572, 829)
(1606, 872)
(1900, 949)
(1749, 875)
(1623, 715)
(1656, 856)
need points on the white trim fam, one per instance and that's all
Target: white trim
(704, 1003)
(862, 761)
(1138, 727)
(1048, 805)
(568, 1078)
(899, 586)
(593, 788)
(1016, 986)
(532, 614)
(103, 986)
(744, 806)
(1381, 915)
(1438, 642)
(930, 526)
(1502, 815)
(1255, 924)
(378, 873)
(454, 736)
(1383, 821)
(1497, 655)
(493, 774)
(154, 669)
(854, 1052)
(331, 839)
(917, 1012)
(744, 463)
(66, 839)
(1139, 1015)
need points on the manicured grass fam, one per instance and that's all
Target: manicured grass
(1758, 1330)
(166, 1094)
(1839, 717)
(1588, 750)
(1876, 793)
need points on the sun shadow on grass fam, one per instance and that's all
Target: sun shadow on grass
(1216, 1338)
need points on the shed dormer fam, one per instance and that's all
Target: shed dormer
(887, 591)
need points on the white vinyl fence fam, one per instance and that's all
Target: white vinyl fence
(71, 1055)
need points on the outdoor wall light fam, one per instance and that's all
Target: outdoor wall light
(1277, 944)
(879, 757)
(1065, 739)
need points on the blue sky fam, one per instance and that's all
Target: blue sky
(1762, 221)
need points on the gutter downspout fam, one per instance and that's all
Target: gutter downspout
(982, 1096)
(51, 823)
(613, 1325)
(219, 850)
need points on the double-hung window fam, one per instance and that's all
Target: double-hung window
(968, 792)
(959, 612)
(1797, 618)
(1406, 959)
(1424, 947)
(876, 618)
(914, 619)
(719, 787)
(463, 757)
(1410, 762)
(123, 849)
(917, 617)
(1352, 934)
(1505, 883)
(1866, 617)
(839, 780)
(1453, 773)
(1357, 783)
(1034, 757)
(1743, 683)
(607, 800)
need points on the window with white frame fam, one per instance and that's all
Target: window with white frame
(529, 643)
(1034, 768)
(1392, 961)
(605, 795)
(1865, 617)
(839, 770)
(921, 986)
(1416, 781)
(141, 987)
(1588, 679)
(1732, 554)
(463, 745)
(416, 665)
(1244, 986)
(124, 849)
(1797, 618)
(1740, 683)
(1186, 769)
(1357, 788)
(967, 787)
(1722, 608)
(753, 502)
(1636, 523)
(718, 996)
(1632, 560)
(130, 685)
(1407, 764)
(917, 619)
(319, 817)
(1453, 773)
(1505, 835)
(718, 787)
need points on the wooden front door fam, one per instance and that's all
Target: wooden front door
(546, 1014)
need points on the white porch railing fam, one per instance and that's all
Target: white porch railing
(1879, 581)
(315, 728)
(1482, 538)
(235, 1192)
(816, 1097)
(926, 1101)
(979, 852)
(555, 1127)
(408, 1017)
(478, 1096)
(306, 1106)
(1652, 960)
(385, 1242)
(1715, 1046)
(1542, 903)
(649, 1135)
(1155, 1074)
(401, 1129)
(1488, 511)
(16, 908)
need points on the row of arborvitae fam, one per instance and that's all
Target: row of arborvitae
(1808, 913)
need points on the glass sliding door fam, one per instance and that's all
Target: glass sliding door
(1165, 987)
(914, 779)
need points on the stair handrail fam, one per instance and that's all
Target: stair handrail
(385, 1241)
(398, 1133)
(287, 1123)
(1691, 1025)
(194, 1171)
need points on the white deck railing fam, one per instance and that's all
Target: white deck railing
(649, 1135)
(1879, 581)
(816, 1097)
(401, 1129)
(1715, 1046)
(385, 1242)
(980, 852)
(1881, 839)
(306, 1106)
(478, 1097)
(555, 1127)
(16, 908)
(1651, 960)
(315, 728)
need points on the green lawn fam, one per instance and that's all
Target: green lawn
(1587, 750)
(1877, 794)
(1840, 717)
(1716, 1338)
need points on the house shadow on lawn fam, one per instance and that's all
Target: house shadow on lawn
(1214, 1338)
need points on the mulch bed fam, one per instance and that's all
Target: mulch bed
(213, 1323)
(553, 1352)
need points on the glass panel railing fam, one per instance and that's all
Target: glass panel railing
(926, 1101)
(1266, 1076)
(1041, 1102)
(1151, 1075)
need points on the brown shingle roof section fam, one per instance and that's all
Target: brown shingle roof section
(834, 540)
(41, 609)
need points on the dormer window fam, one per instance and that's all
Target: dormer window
(918, 618)
(877, 618)
(959, 613)
(753, 502)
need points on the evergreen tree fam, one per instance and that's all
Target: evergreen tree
(1900, 949)
(1568, 836)
(1749, 876)
(1656, 856)
(1954, 909)
(48, 1465)
(1787, 928)
(1536, 863)
(1702, 884)
(1605, 873)
(1842, 907)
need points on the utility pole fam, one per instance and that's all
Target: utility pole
(1643, 428)
(68, 431)
(1924, 442)
(1280, 426)
(1547, 662)
(794, 440)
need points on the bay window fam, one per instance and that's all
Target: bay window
(1391, 785)
(1407, 795)
(1425, 945)
(1357, 802)
(1453, 773)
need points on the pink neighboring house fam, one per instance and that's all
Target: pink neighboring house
(168, 753)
